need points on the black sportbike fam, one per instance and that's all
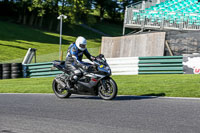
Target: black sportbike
(95, 81)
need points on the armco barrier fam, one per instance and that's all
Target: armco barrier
(124, 65)
(40, 70)
(161, 65)
(119, 66)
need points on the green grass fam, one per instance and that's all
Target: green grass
(160, 85)
(31, 85)
(16, 39)
(155, 85)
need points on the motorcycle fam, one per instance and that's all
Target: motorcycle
(95, 81)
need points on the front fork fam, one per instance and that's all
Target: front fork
(103, 82)
(105, 86)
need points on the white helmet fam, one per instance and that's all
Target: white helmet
(81, 43)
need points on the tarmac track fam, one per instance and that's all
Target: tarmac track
(45, 113)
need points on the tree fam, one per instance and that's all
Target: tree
(22, 7)
(113, 10)
(37, 10)
(101, 5)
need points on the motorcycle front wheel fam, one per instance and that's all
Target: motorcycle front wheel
(59, 90)
(108, 91)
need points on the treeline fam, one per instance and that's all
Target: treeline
(44, 13)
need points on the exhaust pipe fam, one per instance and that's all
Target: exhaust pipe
(60, 82)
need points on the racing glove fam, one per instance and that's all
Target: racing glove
(92, 58)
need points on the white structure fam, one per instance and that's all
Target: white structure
(61, 17)
(29, 56)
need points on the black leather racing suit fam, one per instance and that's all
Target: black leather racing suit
(74, 60)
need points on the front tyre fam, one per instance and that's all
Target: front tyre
(108, 91)
(59, 90)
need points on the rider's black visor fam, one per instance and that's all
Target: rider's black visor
(82, 45)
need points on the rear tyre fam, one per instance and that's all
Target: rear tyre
(59, 91)
(110, 92)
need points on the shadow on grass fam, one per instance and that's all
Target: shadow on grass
(28, 43)
(23, 48)
(14, 32)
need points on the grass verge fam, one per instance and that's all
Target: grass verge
(141, 85)
(16, 39)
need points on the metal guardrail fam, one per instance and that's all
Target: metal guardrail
(161, 65)
(119, 66)
(39, 70)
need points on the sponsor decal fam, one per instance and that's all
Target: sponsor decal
(101, 66)
(193, 63)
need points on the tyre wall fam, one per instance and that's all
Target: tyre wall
(6, 73)
(11, 70)
(16, 70)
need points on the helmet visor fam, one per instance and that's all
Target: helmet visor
(82, 45)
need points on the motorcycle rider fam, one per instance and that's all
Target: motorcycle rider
(74, 59)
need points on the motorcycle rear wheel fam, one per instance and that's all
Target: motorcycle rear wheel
(59, 91)
(110, 92)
